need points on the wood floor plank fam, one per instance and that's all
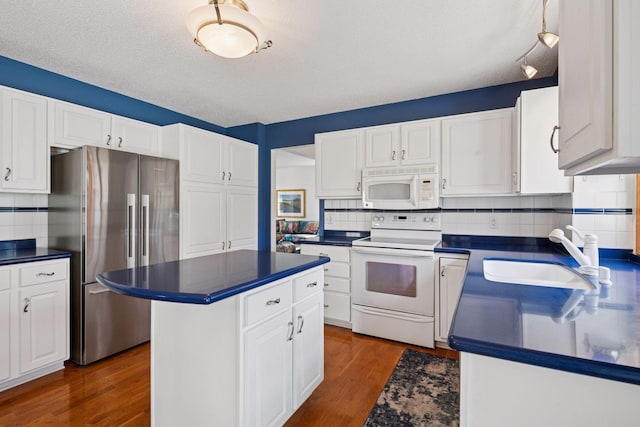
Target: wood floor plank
(115, 391)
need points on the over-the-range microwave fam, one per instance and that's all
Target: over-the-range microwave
(402, 187)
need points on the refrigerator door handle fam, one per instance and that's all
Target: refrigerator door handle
(131, 230)
(145, 229)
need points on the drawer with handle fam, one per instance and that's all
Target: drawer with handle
(336, 284)
(337, 269)
(260, 305)
(307, 284)
(337, 306)
(42, 272)
(336, 253)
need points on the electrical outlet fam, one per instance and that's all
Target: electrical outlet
(493, 223)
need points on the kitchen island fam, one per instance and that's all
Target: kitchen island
(236, 338)
(534, 355)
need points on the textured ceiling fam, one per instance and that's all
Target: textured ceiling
(327, 56)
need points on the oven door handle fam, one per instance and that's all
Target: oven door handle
(387, 313)
(393, 252)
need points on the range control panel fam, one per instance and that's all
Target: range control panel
(406, 220)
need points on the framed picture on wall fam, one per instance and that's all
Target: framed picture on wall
(291, 203)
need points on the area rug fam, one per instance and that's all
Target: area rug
(423, 390)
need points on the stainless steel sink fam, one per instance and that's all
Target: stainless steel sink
(535, 273)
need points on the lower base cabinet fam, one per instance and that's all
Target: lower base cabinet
(34, 320)
(451, 273)
(248, 360)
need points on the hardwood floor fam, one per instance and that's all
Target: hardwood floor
(115, 391)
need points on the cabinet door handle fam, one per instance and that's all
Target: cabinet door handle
(119, 141)
(290, 331)
(8, 174)
(108, 139)
(300, 324)
(322, 254)
(326, 306)
(312, 284)
(358, 187)
(555, 150)
(223, 175)
(223, 244)
(45, 274)
(27, 302)
(404, 154)
(514, 178)
(442, 272)
(229, 176)
(393, 155)
(273, 301)
(229, 245)
(444, 183)
(326, 285)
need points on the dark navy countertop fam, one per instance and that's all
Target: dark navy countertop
(207, 279)
(25, 250)
(533, 324)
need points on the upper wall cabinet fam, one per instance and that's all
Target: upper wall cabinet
(339, 158)
(598, 69)
(402, 144)
(73, 126)
(535, 169)
(23, 139)
(212, 158)
(476, 153)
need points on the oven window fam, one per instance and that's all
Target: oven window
(394, 279)
(390, 191)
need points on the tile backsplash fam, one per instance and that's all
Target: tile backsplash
(24, 216)
(602, 205)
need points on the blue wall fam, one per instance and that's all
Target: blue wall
(19, 75)
(277, 135)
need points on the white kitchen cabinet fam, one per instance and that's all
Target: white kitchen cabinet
(476, 153)
(535, 168)
(407, 143)
(337, 282)
(72, 126)
(34, 320)
(268, 372)
(43, 324)
(24, 151)
(6, 320)
(284, 353)
(339, 159)
(599, 91)
(213, 158)
(218, 186)
(255, 368)
(449, 284)
(218, 219)
(205, 230)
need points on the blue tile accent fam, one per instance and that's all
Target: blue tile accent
(17, 244)
(25, 209)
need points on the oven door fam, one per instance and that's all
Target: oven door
(394, 279)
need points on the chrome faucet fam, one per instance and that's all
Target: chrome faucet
(589, 260)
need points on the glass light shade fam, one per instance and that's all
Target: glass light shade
(240, 34)
(548, 39)
(528, 70)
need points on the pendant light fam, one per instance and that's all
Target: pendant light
(227, 29)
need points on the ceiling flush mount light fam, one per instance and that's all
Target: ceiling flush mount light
(544, 37)
(226, 28)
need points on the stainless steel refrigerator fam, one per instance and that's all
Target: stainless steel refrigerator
(112, 210)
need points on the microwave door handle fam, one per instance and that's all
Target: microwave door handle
(415, 191)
